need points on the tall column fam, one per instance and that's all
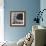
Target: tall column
(43, 6)
(1, 20)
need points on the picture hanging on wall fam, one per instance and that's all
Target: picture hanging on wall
(17, 18)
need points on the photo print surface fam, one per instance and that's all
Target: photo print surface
(17, 18)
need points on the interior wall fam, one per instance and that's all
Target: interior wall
(30, 6)
(43, 6)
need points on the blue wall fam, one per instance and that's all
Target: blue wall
(30, 6)
(43, 6)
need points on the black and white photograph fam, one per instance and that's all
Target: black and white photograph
(17, 18)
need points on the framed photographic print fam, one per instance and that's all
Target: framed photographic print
(17, 18)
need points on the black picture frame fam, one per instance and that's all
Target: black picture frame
(17, 18)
